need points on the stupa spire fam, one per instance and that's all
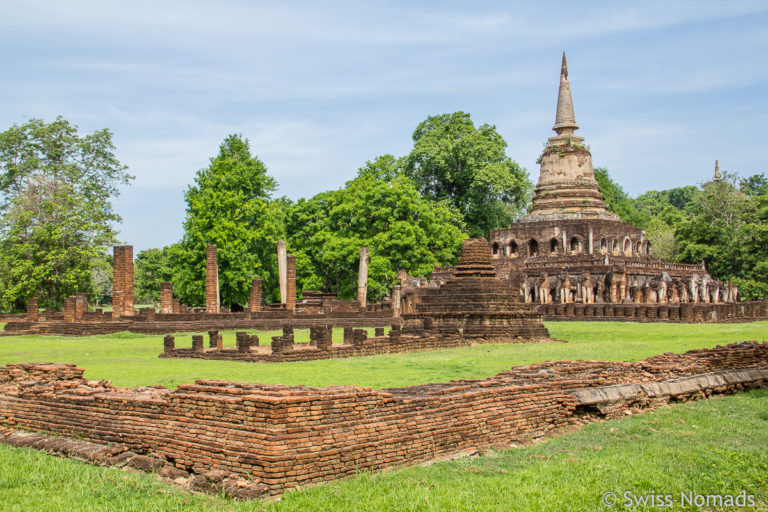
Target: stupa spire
(718, 175)
(565, 119)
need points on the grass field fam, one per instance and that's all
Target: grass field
(710, 447)
(131, 359)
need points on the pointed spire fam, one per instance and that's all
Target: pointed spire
(718, 176)
(565, 120)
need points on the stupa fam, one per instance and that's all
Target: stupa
(571, 248)
(475, 303)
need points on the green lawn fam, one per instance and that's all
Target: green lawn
(717, 446)
(131, 360)
(713, 446)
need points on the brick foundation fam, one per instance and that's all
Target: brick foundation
(284, 436)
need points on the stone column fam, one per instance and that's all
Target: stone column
(81, 305)
(362, 278)
(69, 309)
(166, 298)
(118, 281)
(591, 241)
(254, 304)
(33, 309)
(396, 300)
(128, 300)
(282, 270)
(169, 344)
(211, 280)
(290, 285)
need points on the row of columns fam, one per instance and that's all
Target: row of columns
(286, 268)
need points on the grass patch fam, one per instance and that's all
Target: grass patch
(689, 447)
(131, 360)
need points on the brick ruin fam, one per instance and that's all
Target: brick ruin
(283, 437)
(314, 309)
(475, 303)
(474, 307)
(122, 282)
(570, 249)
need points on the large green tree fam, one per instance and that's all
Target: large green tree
(618, 200)
(230, 205)
(380, 209)
(728, 229)
(468, 166)
(56, 215)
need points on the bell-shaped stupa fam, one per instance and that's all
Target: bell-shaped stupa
(567, 188)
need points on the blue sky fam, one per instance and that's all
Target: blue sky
(661, 89)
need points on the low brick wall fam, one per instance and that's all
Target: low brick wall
(365, 347)
(288, 436)
(151, 323)
(684, 313)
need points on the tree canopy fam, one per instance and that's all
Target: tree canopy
(230, 205)
(722, 222)
(380, 209)
(468, 166)
(56, 215)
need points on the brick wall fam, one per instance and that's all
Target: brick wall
(687, 312)
(288, 436)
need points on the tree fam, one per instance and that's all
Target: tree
(618, 200)
(152, 267)
(56, 212)
(402, 230)
(467, 166)
(229, 205)
(728, 229)
(756, 185)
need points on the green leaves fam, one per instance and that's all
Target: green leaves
(57, 215)
(229, 205)
(382, 210)
(453, 161)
